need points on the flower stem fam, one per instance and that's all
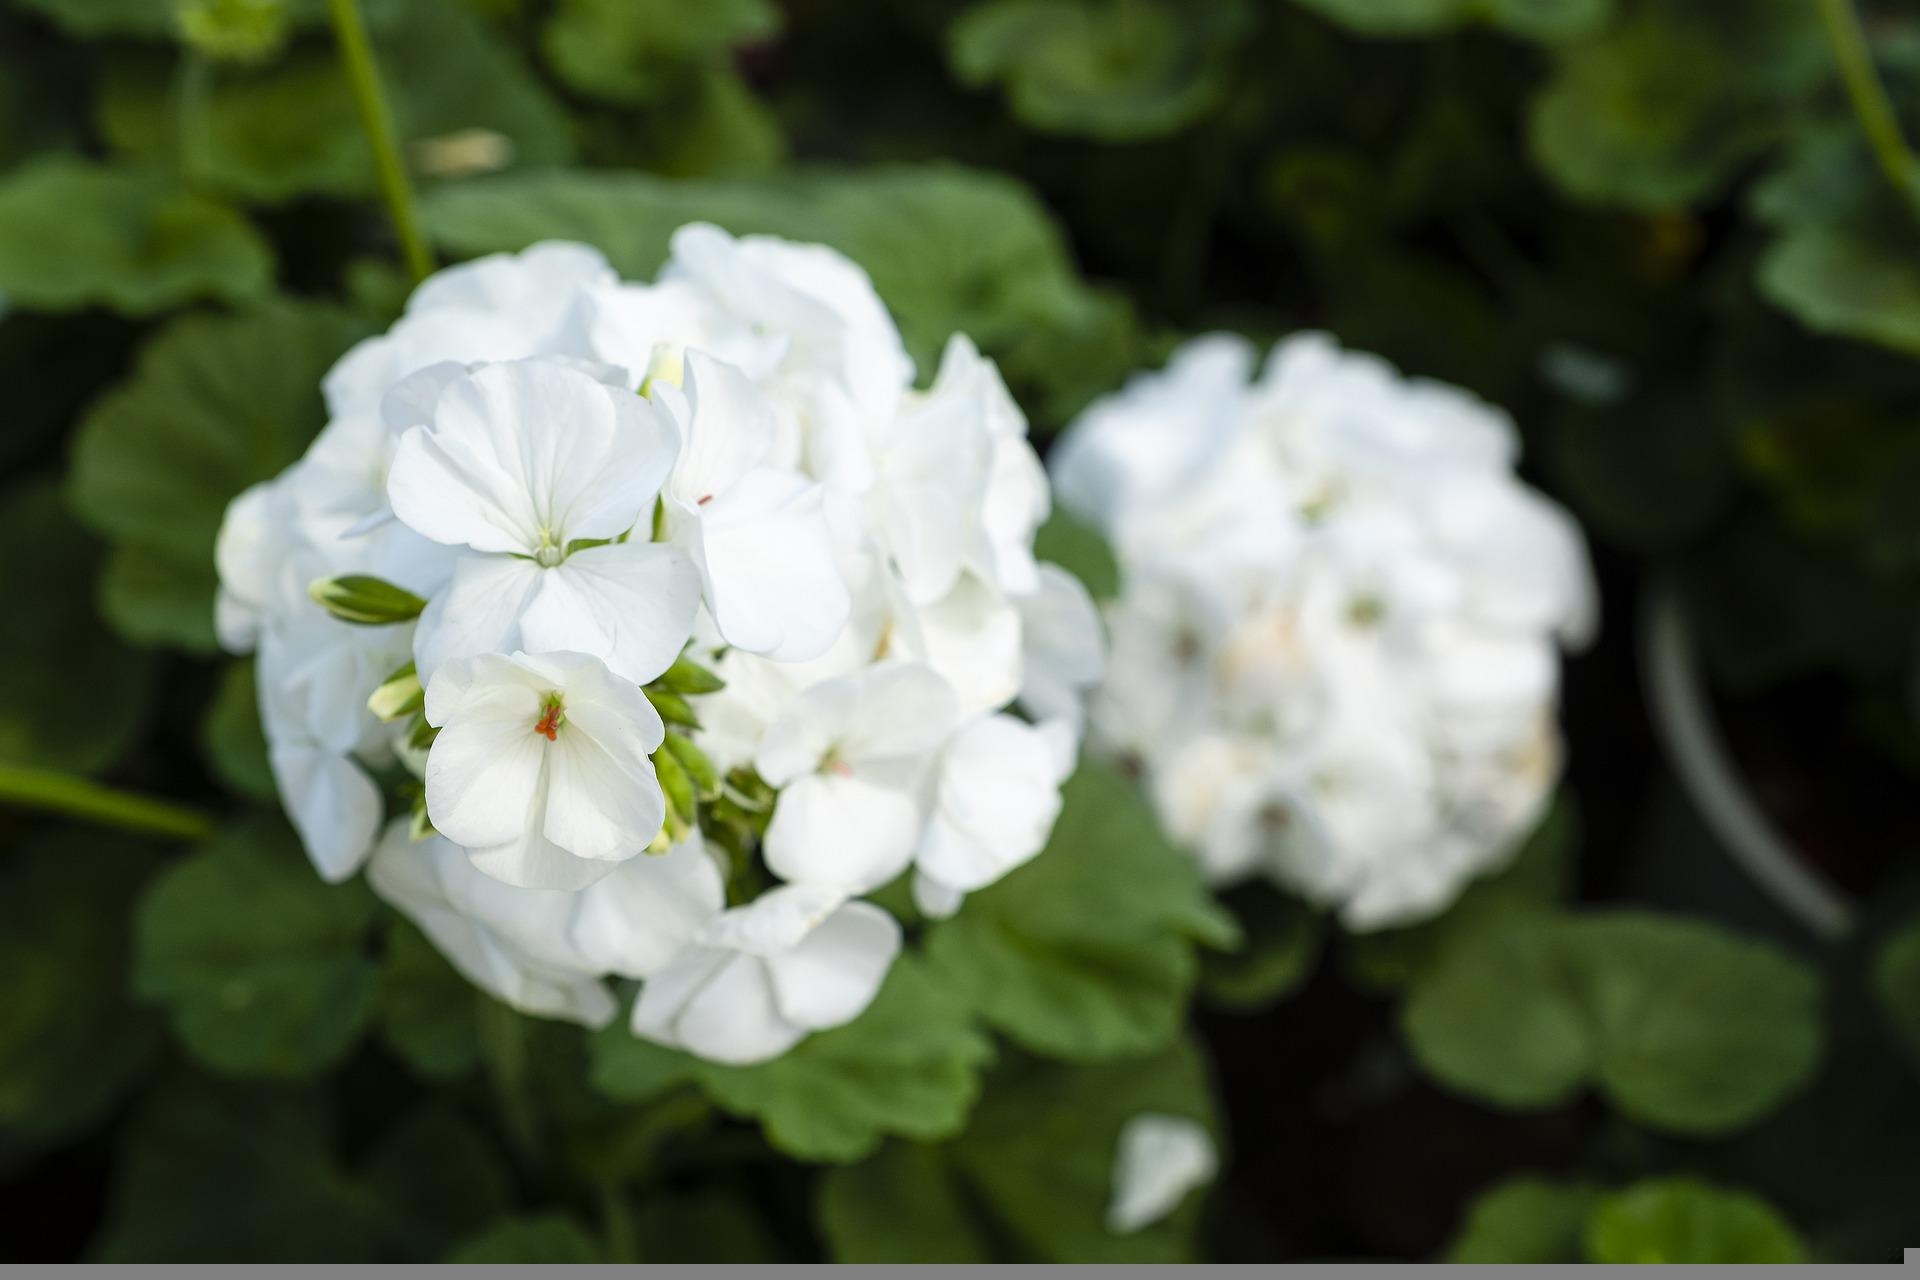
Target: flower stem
(1869, 96)
(503, 1054)
(356, 54)
(78, 798)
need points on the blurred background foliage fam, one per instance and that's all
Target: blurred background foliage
(1679, 239)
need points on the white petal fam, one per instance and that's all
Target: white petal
(630, 604)
(638, 919)
(1160, 1159)
(728, 430)
(999, 793)
(332, 802)
(776, 921)
(905, 711)
(485, 772)
(478, 613)
(1063, 646)
(600, 804)
(716, 1005)
(772, 581)
(835, 971)
(842, 830)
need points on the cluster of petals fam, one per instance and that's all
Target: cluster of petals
(584, 480)
(1335, 657)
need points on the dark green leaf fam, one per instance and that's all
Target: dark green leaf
(545, 1237)
(1526, 1219)
(1681, 1220)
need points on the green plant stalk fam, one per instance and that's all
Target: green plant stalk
(78, 798)
(356, 54)
(1870, 101)
(503, 1054)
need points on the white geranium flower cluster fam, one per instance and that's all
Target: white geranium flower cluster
(685, 619)
(1334, 659)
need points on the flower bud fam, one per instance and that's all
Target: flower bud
(691, 758)
(365, 601)
(400, 695)
(689, 677)
(673, 708)
(246, 31)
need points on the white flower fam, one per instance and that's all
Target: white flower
(541, 767)
(996, 796)
(1161, 1158)
(1335, 653)
(501, 307)
(850, 757)
(759, 978)
(544, 951)
(541, 471)
(758, 533)
(1063, 647)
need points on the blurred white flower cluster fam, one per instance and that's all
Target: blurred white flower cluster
(685, 618)
(1335, 655)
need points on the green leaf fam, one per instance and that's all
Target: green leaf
(248, 1173)
(1088, 951)
(1547, 20)
(1041, 1152)
(71, 1043)
(949, 249)
(703, 1227)
(93, 18)
(1896, 981)
(1685, 1027)
(1682, 1220)
(909, 1065)
(1114, 70)
(231, 739)
(1663, 108)
(1525, 1219)
(542, 1237)
(128, 240)
(263, 969)
(1844, 259)
(271, 134)
(72, 697)
(1032, 1177)
(639, 51)
(903, 1204)
(426, 1007)
(215, 404)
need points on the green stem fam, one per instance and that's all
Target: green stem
(1869, 96)
(79, 798)
(623, 1241)
(503, 1052)
(356, 53)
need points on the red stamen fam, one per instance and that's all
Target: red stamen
(549, 725)
(704, 501)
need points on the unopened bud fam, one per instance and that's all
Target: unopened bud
(366, 601)
(689, 677)
(679, 791)
(673, 708)
(401, 694)
(668, 365)
(691, 758)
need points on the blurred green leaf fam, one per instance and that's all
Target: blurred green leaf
(262, 968)
(1682, 1220)
(269, 135)
(108, 17)
(703, 1226)
(72, 698)
(1685, 1027)
(1896, 981)
(1088, 951)
(909, 1065)
(1108, 69)
(1525, 1219)
(215, 404)
(127, 239)
(950, 250)
(427, 1009)
(71, 1043)
(1282, 942)
(638, 51)
(231, 737)
(1846, 256)
(902, 1204)
(1032, 1176)
(1550, 20)
(544, 1237)
(1081, 551)
(247, 1173)
(1665, 106)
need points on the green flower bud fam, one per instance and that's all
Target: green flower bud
(688, 676)
(400, 695)
(691, 758)
(679, 790)
(366, 601)
(673, 708)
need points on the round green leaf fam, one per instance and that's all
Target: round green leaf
(639, 51)
(262, 968)
(1525, 1219)
(215, 404)
(128, 240)
(1681, 1220)
(1536, 19)
(544, 1237)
